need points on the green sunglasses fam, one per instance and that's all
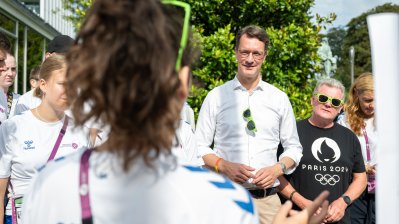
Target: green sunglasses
(184, 36)
(250, 121)
(323, 99)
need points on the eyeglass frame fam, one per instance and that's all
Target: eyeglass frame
(249, 119)
(245, 54)
(329, 99)
(184, 35)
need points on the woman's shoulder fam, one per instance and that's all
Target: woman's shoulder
(25, 118)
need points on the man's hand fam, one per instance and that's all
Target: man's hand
(336, 210)
(266, 176)
(236, 172)
(306, 215)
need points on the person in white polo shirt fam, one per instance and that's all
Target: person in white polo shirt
(28, 141)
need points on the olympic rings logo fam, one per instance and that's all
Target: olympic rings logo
(327, 179)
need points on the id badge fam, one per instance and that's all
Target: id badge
(17, 209)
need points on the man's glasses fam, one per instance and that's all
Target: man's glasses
(324, 99)
(184, 35)
(256, 54)
(250, 121)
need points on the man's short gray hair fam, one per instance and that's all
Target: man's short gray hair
(330, 83)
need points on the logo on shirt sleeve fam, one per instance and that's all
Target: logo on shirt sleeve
(226, 184)
(245, 205)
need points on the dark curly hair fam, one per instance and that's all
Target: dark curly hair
(123, 65)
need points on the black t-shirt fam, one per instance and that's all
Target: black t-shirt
(330, 157)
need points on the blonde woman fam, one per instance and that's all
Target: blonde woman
(28, 141)
(359, 117)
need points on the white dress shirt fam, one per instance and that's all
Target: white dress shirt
(221, 122)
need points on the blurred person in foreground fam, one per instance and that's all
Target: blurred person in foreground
(127, 64)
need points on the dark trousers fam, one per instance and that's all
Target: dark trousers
(362, 209)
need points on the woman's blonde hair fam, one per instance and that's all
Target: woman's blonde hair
(354, 114)
(51, 64)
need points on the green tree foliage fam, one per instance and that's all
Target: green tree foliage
(78, 9)
(357, 36)
(292, 55)
(336, 37)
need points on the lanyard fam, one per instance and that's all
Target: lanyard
(59, 139)
(87, 217)
(10, 96)
(367, 144)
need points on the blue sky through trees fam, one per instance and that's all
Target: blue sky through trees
(346, 9)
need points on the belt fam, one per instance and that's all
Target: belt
(262, 193)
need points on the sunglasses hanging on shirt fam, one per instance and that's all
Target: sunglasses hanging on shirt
(250, 121)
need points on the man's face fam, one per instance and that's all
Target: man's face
(327, 111)
(2, 60)
(8, 75)
(250, 56)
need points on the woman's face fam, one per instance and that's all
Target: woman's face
(54, 89)
(366, 101)
(7, 77)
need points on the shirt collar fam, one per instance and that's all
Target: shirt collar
(237, 85)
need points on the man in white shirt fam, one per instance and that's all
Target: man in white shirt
(245, 119)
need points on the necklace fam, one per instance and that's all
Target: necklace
(41, 118)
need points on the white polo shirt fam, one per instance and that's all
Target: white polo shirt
(26, 144)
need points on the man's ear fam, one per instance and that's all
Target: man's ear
(184, 75)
